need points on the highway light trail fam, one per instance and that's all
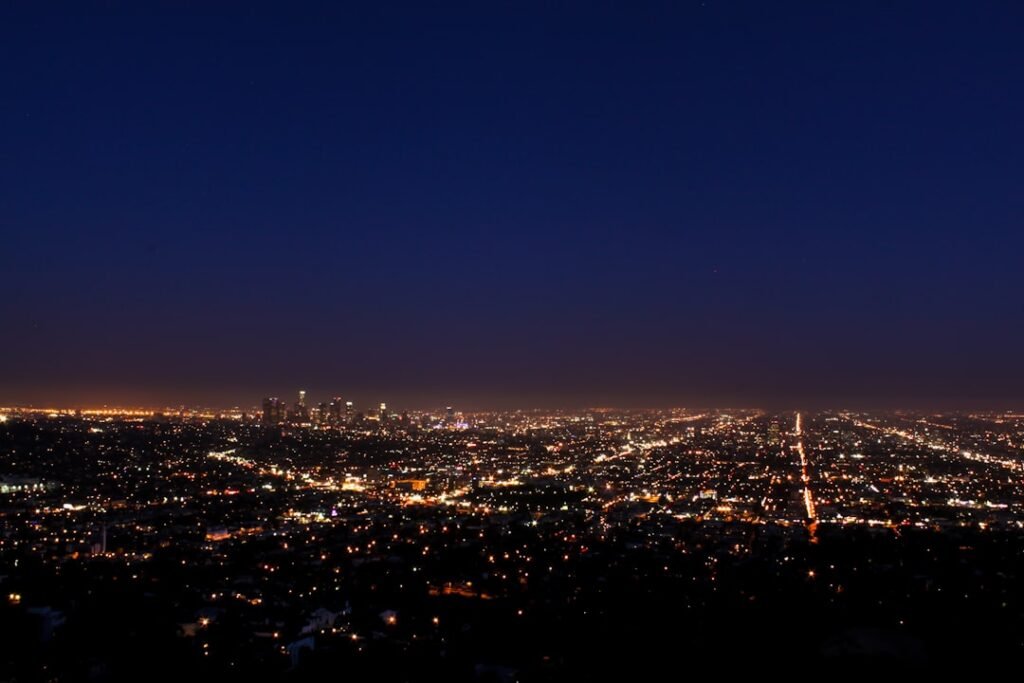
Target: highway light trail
(805, 476)
(953, 449)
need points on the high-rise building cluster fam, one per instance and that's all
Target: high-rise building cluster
(338, 413)
(334, 412)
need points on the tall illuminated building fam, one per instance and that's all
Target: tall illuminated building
(300, 413)
(350, 412)
(273, 411)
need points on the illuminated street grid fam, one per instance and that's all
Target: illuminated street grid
(316, 524)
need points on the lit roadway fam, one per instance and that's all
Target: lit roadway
(805, 475)
(1012, 465)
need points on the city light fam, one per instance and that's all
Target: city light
(428, 507)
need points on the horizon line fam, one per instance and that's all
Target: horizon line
(209, 408)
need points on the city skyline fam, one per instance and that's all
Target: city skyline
(372, 401)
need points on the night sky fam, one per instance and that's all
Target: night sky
(513, 204)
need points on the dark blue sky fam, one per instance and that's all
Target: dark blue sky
(777, 203)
